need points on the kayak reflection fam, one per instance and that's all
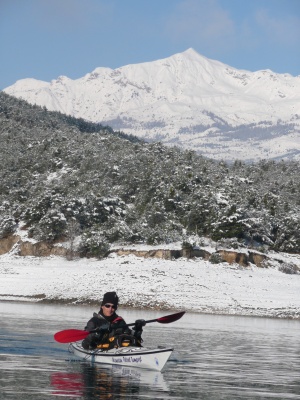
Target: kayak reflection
(109, 382)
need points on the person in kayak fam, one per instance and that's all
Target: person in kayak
(108, 328)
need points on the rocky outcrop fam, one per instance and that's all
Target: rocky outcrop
(6, 244)
(191, 253)
(28, 248)
(160, 253)
(243, 259)
(45, 249)
(41, 249)
(230, 256)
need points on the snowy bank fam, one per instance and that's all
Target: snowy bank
(194, 285)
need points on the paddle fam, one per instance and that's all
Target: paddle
(74, 335)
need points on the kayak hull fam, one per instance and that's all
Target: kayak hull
(140, 357)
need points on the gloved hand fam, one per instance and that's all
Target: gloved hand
(139, 323)
(103, 328)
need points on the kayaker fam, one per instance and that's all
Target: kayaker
(110, 326)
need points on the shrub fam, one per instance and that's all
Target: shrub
(52, 226)
(7, 226)
(288, 268)
(93, 244)
(216, 258)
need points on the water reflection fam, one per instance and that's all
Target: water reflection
(112, 382)
(68, 384)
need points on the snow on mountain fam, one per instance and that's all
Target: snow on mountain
(186, 100)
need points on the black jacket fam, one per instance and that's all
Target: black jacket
(98, 320)
(107, 327)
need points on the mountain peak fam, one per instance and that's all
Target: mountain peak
(186, 99)
(191, 52)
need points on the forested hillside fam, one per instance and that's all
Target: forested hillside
(63, 177)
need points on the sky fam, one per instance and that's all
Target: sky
(44, 39)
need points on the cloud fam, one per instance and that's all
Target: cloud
(201, 23)
(284, 30)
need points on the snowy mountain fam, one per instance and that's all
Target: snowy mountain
(185, 100)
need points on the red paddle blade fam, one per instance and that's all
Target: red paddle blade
(70, 335)
(170, 318)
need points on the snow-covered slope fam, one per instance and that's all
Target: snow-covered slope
(154, 283)
(187, 100)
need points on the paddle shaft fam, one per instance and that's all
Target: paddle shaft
(74, 335)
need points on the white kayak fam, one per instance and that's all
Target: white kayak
(141, 357)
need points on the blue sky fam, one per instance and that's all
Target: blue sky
(44, 39)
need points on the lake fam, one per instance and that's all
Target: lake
(215, 357)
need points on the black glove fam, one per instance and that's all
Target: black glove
(139, 323)
(103, 328)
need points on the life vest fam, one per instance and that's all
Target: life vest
(123, 340)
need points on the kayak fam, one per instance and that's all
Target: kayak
(141, 357)
(124, 353)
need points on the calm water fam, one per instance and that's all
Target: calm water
(215, 357)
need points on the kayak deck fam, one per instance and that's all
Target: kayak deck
(130, 356)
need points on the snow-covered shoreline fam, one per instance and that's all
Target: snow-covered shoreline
(193, 285)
